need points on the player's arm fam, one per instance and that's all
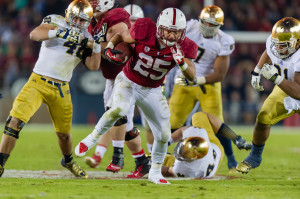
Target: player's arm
(41, 32)
(221, 66)
(167, 171)
(93, 62)
(110, 53)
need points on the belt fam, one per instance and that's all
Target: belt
(55, 84)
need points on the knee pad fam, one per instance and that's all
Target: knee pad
(130, 135)
(121, 121)
(12, 132)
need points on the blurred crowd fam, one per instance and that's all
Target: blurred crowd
(18, 54)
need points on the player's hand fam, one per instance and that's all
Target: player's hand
(270, 72)
(183, 81)
(255, 81)
(241, 143)
(178, 55)
(98, 38)
(111, 55)
(70, 35)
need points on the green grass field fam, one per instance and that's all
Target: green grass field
(37, 149)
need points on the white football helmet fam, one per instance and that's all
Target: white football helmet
(171, 19)
(135, 11)
(104, 5)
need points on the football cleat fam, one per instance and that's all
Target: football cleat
(94, 161)
(142, 168)
(244, 167)
(157, 179)
(117, 163)
(85, 145)
(74, 168)
(241, 143)
(1, 170)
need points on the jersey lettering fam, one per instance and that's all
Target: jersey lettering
(285, 71)
(155, 65)
(201, 53)
(72, 47)
(210, 168)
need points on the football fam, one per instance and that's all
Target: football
(126, 50)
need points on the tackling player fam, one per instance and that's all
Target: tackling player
(212, 63)
(159, 47)
(49, 82)
(279, 63)
(198, 152)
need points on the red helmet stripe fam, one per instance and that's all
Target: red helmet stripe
(131, 8)
(174, 16)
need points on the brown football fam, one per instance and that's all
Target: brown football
(126, 50)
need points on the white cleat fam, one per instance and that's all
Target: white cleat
(85, 145)
(157, 179)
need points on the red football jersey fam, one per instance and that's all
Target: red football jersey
(149, 65)
(112, 17)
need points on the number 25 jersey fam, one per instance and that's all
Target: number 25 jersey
(149, 64)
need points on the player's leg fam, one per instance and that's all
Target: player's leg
(122, 99)
(25, 105)
(181, 104)
(100, 150)
(211, 102)
(148, 132)
(61, 112)
(157, 113)
(106, 138)
(271, 112)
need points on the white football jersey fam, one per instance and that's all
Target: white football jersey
(286, 67)
(58, 57)
(209, 49)
(202, 168)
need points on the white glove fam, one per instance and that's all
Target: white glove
(70, 35)
(181, 80)
(270, 72)
(178, 57)
(255, 80)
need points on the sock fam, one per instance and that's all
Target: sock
(68, 158)
(3, 158)
(227, 132)
(226, 143)
(118, 143)
(255, 156)
(100, 150)
(139, 154)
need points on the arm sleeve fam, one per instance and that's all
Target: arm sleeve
(227, 45)
(141, 29)
(55, 20)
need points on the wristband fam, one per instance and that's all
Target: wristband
(183, 66)
(278, 79)
(110, 45)
(201, 80)
(96, 48)
(257, 69)
(52, 34)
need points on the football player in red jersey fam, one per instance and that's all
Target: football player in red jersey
(158, 49)
(114, 20)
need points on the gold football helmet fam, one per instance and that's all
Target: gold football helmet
(285, 37)
(213, 15)
(191, 148)
(79, 14)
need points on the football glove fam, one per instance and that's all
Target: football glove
(255, 79)
(111, 55)
(70, 35)
(181, 80)
(178, 56)
(270, 72)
